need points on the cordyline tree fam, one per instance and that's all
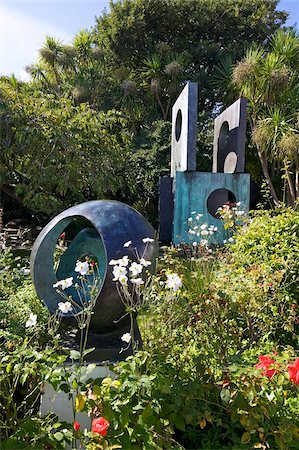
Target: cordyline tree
(269, 79)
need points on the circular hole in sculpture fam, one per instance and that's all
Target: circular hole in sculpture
(80, 258)
(223, 135)
(218, 198)
(178, 125)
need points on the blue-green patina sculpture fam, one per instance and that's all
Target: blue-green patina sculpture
(111, 225)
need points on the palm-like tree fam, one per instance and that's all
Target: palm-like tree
(269, 80)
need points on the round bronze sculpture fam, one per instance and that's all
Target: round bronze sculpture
(112, 224)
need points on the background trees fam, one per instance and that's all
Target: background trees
(269, 79)
(123, 76)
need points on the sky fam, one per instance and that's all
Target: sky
(24, 25)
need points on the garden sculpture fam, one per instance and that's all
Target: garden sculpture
(187, 191)
(111, 224)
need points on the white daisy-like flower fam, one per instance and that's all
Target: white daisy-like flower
(113, 262)
(123, 279)
(173, 282)
(204, 232)
(31, 322)
(204, 226)
(137, 281)
(145, 262)
(124, 261)
(82, 267)
(119, 271)
(190, 219)
(64, 284)
(147, 239)
(136, 268)
(65, 307)
(126, 337)
(127, 244)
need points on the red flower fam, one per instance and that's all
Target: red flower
(63, 235)
(265, 363)
(294, 371)
(76, 426)
(100, 426)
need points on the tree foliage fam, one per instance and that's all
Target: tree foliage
(55, 154)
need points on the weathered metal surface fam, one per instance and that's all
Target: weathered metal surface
(193, 190)
(229, 138)
(165, 209)
(112, 224)
(184, 125)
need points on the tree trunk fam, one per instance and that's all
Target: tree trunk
(297, 179)
(290, 182)
(265, 169)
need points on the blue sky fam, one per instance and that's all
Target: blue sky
(24, 25)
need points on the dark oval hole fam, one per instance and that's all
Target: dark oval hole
(218, 198)
(178, 125)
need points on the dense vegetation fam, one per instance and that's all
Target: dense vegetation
(215, 369)
(95, 116)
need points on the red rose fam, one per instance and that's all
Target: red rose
(100, 426)
(63, 235)
(76, 426)
(294, 371)
(265, 363)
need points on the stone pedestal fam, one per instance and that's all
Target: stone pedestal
(59, 403)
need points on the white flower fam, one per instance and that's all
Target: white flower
(137, 281)
(240, 213)
(65, 307)
(136, 268)
(225, 241)
(126, 337)
(193, 212)
(198, 216)
(194, 244)
(124, 261)
(127, 244)
(196, 227)
(113, 262)
(191, 232)
(82, 267)
(238, 203)
(205, 232)
(231, 240)
(24, 271)
(204, 242)
(64, 284)
(203, 226)
(144, 262)
(173, 282)
(31, 322)
(190, 219)
(123, 279)
(147, 239)
(119, 271)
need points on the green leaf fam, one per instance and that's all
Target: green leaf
(88, 350)
(225, 395)
(74, 354)
(58, 436)
(245, 439)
